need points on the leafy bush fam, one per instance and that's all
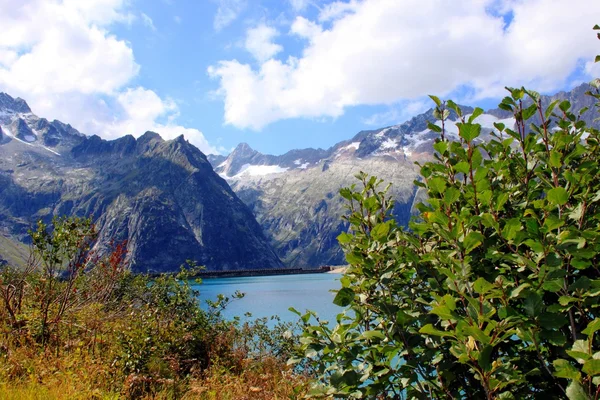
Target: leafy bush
(494, 291)
(72, 321)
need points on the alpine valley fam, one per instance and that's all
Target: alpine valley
(252, 211)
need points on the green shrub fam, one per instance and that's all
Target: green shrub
(493, 292)
(77, 324)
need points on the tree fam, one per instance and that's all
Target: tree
(493, 291)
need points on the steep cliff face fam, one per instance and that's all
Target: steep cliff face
(301, 210)
(162, 197)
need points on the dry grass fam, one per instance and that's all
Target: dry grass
(268, 379)
(265, 380)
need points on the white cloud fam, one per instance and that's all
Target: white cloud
(305, 28)
(299, 5)
(227, 12)
(61, 58)
(259, 42)
(592, 69)
(398, 113)
(385, 51)
(143, 109)
(337, 9)
(148, 22)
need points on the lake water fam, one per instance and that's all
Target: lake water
(266, 296)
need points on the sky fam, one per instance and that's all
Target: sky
(282, 74)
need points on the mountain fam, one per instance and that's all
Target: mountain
(162, 197)
(295, 196)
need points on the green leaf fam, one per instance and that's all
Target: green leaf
(511, 228)
(552, 321)
(462, 167)
(564, 105)
(440, 147)
(517, 292)
(576, 392)
(476, 113)
(437, 184)
(451, 195)
(430, 330)
(553, 285)
(436, 100)
(592, 327)
(344, 238)
(468, 131)
(443, 312)
(558, 195)
(592, 367)
(434, 127)
(553, 222)
(564, 369)
(380, 231)
(346, 193)
(472, 240)
(580, 351)
(482, 286)
(533, 304)
(344, 297)
(373, 335)
(354, 259)
(550, 108)
(529, 111)
(555, 159)
(484, 358)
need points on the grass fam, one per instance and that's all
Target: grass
(12, 251)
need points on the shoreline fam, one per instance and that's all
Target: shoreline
(328, 269)
(262, 272)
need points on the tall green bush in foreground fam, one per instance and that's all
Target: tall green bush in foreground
(494, 291)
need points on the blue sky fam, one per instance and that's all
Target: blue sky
(281, 74)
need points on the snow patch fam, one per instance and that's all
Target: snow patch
(389, 144)
(449, 126)
(28, 139)
(382, 133)
(298, 161)
(50, 150)
(488, 120)
(303, 166)
(259, 170)
(353, 145)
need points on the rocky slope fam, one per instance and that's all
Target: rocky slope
(163, 197)
(295, 196)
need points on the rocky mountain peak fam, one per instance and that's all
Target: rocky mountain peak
(242, 155)
(13, 105)
(22, 131)
(149, 136)
(243, 150)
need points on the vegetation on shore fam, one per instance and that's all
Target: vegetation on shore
(75, 325)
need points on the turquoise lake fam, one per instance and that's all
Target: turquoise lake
(266, 296)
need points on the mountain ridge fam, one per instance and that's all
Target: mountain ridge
(160, 196)
(297, 203)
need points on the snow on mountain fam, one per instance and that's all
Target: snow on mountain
(21, 126)
(259, 170)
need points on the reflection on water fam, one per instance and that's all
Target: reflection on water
(266, 296)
